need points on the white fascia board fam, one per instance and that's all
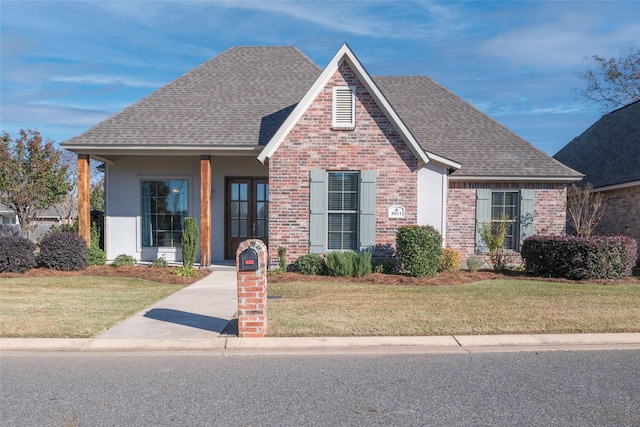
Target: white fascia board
(444, 161)
(346, 54)
(557, 179)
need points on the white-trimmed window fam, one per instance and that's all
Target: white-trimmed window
(344, 107)
(164, 206)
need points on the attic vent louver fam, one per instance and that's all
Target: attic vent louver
(344, 107)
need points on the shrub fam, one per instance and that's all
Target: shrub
(363, 264)
(341, 264)
(123, 259)
(450, 260)
(580, 257)
(189, 243)
(63, 251)
(418, 249)
(185, 272)
(64, 228)
(95, 255)
(474, 263)
(384, 266)
(310, 264)
(494, 235)
(16, 254)
(159, 263)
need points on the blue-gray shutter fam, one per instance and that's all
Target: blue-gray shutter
(526, 214)
(367, 221)
(317, 211)
(483, 216)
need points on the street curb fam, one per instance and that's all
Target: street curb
(222, 344)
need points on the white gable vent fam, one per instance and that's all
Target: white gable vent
(344, 107)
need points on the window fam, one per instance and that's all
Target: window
(344, 107)
(342, 200)
(515, 206)
(504, 208)
(164, 206)
(342, 209)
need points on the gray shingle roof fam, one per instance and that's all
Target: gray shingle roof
(239, 97)
(448, 126)
(608, 153)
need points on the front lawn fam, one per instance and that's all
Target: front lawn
(504, 306)
(72, 306)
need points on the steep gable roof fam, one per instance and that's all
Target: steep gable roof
(238, 98)
(346, 54)
(608, 152)
(446, 125)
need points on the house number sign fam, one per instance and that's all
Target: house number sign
(396, 211)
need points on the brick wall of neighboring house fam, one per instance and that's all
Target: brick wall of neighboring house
(549, 212)
(622, 214)
(312, 144)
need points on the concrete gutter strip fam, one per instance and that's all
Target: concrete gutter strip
(542, 340)
(222, 344)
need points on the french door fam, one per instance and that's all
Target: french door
(247, 212)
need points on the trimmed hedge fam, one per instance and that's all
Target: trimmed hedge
(63, 251)
(419, 248)
(580, 257)
(16, 254)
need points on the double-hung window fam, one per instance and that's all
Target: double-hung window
(504, 208)
(164, 207)
(342, 201)
(342, 207)
(514, 207)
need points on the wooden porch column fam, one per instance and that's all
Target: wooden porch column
(84, 198)
(205, 210)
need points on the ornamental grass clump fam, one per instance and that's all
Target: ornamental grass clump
(419, 249)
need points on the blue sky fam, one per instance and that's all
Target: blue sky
(67, 65)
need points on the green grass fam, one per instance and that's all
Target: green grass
(491, 307)
(72, 307)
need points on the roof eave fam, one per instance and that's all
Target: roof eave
(506, 178)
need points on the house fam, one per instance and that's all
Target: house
(259, 142)
(608, 153)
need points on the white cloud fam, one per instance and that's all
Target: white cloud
(103, 79)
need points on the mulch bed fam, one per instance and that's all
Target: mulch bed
(165, 275)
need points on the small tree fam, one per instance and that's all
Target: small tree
(613, 83)
(585, 209)
(31, 176)
(494, 235)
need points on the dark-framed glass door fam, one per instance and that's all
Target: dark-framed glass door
(247, 212)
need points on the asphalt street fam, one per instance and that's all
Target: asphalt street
(562, 388)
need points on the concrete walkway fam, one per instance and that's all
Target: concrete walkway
(200, 310)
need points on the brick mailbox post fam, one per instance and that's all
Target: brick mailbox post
(251, 267)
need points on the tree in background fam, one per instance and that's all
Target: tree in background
(613, 83)
(31, 176)
(585, 209)
(68, 208)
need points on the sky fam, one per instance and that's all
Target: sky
(67, 65)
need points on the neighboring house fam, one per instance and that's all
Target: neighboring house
(608, 153)
(45, 219)
(259, 142)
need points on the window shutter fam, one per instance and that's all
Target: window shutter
(317, 211)
(344, 106)
(367, 230)
(483, 216)
(526, 214)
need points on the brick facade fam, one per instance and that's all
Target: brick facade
(622, 214)
(549, 211)
(374, 144)
(252, 292)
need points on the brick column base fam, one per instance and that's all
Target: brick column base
(252, 292)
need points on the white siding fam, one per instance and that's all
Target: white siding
(432, 192)
(123, 215)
